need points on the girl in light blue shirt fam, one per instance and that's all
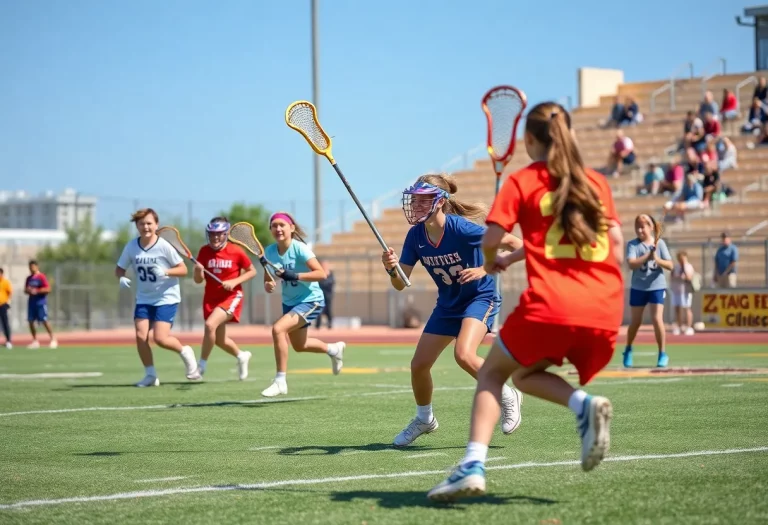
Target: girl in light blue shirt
(299, 274)
(647, 257)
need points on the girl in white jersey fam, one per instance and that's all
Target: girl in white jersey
(303, 299)
(157, 267)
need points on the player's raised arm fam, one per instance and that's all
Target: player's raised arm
(180, 270)
(198, 272)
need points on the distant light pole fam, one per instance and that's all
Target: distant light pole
(316, 102)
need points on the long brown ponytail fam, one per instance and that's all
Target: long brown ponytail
(575, 201)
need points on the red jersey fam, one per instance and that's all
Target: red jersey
(225, 264)
(567, 285)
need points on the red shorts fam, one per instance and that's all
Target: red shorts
(232, 304)
(588, 349)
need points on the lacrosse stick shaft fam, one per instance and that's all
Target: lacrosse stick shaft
(206, 271)
(375, 231)
(497, 277)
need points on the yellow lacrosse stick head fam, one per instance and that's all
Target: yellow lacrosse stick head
(302, 116)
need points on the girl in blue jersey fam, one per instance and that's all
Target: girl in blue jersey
(300, 273)
(447, 242)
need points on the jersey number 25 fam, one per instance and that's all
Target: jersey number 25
(554, 250)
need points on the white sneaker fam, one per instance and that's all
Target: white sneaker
(148, 381)
(54, 344)
(595, 430)
(277, 388)
(188, 357)
(414, 429)
(690, 331)
(511, 405)
(8, 345)
(197, 375)
(242, 364)
(34, 345)
(676, 330)
(337, 361)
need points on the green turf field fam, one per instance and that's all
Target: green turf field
(685, 449)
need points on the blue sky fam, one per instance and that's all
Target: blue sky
(163, 101)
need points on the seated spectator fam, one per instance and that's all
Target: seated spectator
(710, 183)
(756, 117)
(730, 107)
(726, 154)
(761, 90)
(622, 153)
(695, 137)
(690, 198)
(708, 105)
(631, 115)
(712, 127)
(617, 114)
(673, 178)
(652, 180)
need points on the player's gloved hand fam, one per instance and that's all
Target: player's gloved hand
(289, 276)
(125, 282)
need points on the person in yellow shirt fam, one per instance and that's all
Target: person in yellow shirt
(5, 303)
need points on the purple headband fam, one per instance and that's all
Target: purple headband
(283, 216)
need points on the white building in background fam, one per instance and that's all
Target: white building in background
(48, 211)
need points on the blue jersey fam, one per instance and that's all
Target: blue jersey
(457, 249)
(295, 258)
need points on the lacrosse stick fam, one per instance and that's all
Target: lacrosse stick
(172, 235)
(503, 106)
(243, 234)
(302, 117)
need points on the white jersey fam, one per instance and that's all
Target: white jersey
(152, 286)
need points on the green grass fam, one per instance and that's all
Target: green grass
(331, 427)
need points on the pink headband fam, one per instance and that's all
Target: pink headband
(283, 216)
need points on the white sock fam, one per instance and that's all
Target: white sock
(424, 413)
(202, 364)
(280, 377)
(150, 370)
(576, 402)
(506, 391)
(475, 452)
(333, 349)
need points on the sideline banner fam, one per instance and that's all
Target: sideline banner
(736, 309)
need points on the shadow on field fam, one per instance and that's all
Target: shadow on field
(132, 385)
(325, 450)
(397, 500)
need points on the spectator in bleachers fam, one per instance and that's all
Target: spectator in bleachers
(756, 117)
(652, 180)
(690, 198)
(710, 182)
(712, 126)
(730, 106)
(726, 154)
(631, 115)
(695, 137)
(682, 294)
(673, 178)
(726, 257)
(622, 153)
(617, 114)
(708, 105)
(761, 90)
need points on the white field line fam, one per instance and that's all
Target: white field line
(52, 375)
(341, 479)
(287, 399)
(732, 385)
(271, 447)
(425, 455)
(173, 478)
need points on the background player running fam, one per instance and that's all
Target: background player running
(157, 266)
(222, 303)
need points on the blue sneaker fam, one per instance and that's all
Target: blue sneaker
(663, 360)
(594, 427)
(465, 481)
(627, 357)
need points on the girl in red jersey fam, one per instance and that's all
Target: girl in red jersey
(222, 303)
(572, 308)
